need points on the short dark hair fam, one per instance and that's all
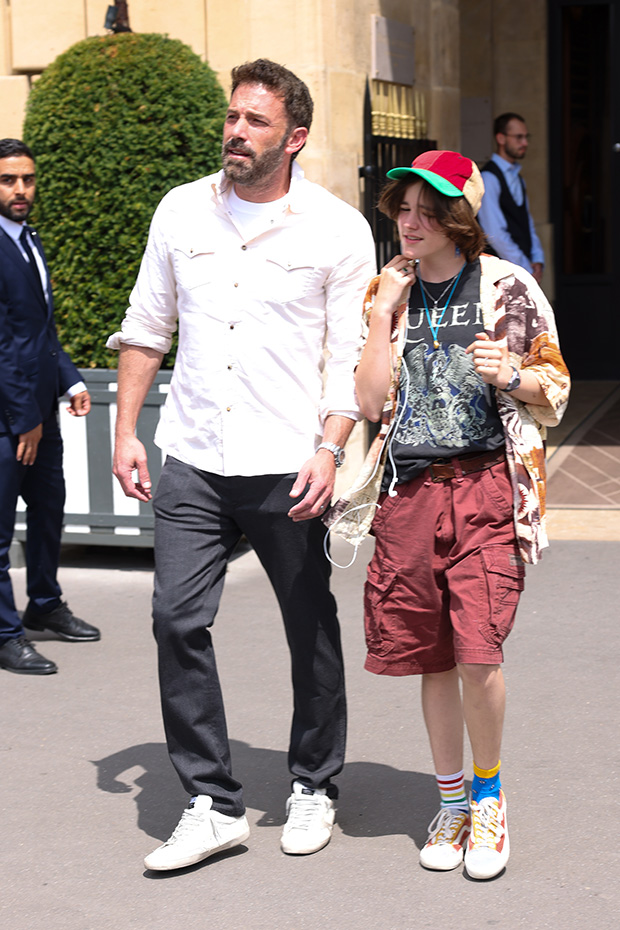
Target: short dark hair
(453, 214)
(10, 148)
(500, 123)
(294, 93)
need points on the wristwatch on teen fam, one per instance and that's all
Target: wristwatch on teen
(515, 381)
(336, 451)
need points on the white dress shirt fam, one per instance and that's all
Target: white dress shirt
(493, 220)
(269, 326)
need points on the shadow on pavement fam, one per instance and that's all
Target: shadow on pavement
(376, 799)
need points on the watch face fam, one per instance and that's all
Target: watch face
(339, 456)
(514, 382)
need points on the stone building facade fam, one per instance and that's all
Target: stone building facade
(467, 64)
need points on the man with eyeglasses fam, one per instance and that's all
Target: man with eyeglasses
(505, 214)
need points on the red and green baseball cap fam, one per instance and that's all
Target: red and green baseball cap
(448, 172)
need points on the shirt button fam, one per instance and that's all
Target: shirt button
(230, 367)
(236, 284)
(243, 248)
(228, 408)
(232, 325)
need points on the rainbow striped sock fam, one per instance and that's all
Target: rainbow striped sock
(452, 790)
(486, 782)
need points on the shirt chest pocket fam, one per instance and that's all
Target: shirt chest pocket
(287, 279)
(194, 266)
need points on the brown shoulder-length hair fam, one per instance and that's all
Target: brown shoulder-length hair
(453, 215)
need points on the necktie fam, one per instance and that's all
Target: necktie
(32, 264)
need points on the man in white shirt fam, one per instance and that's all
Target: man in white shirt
(505, 214)
(266, 274)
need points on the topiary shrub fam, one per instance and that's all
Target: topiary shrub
(114, 123)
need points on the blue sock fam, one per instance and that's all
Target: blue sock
(486, 783)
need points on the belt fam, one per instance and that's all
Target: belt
(444, 469)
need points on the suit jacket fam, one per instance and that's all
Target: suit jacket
(34, 370)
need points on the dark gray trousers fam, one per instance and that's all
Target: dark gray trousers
(199, 519)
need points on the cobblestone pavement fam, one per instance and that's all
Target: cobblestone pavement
(583, 493)
(587, 473)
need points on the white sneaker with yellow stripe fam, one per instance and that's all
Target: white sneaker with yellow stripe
(488, 848)
(447, 835)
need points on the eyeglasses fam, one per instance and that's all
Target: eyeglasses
(519, 135)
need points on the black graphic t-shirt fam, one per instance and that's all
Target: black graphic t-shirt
(445, 409)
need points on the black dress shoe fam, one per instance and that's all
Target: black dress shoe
(63, 623)
(18, 655)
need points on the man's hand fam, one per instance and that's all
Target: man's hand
(79, 404)
(319, 476)
(130, 456)
(537, 271)
(28, 444)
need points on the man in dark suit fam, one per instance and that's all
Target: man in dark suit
(34, 373)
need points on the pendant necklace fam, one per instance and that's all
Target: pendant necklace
(451, 284)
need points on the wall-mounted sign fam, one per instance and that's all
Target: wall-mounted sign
(392, 47)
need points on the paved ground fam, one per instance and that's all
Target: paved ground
(586, 471)
(583, 456)
(86, 788)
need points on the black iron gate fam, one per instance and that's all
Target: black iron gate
(380, 154)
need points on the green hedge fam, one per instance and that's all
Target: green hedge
(114, 123)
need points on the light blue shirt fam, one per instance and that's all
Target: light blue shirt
(493, 220)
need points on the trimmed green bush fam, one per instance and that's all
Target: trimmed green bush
(114, 123)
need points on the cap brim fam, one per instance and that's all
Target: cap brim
(439, 183)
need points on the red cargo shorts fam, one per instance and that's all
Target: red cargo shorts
(445, 579)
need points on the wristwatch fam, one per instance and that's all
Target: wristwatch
(336, 451)
(515, 381)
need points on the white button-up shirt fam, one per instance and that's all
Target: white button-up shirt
(269, 328)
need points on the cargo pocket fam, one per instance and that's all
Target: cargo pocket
(380, 634)
(505, 575)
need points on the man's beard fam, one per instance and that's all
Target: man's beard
(515, 152)
(257, 168)
(9, 212)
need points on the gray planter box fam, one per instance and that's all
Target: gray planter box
(97, 512)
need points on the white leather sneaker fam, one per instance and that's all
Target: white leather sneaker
(201, 832)
(310, 821)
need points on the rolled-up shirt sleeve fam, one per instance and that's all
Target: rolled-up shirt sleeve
(151, 319)
(345, 290)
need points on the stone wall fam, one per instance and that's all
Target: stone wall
(503, 50)
(327, 43)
